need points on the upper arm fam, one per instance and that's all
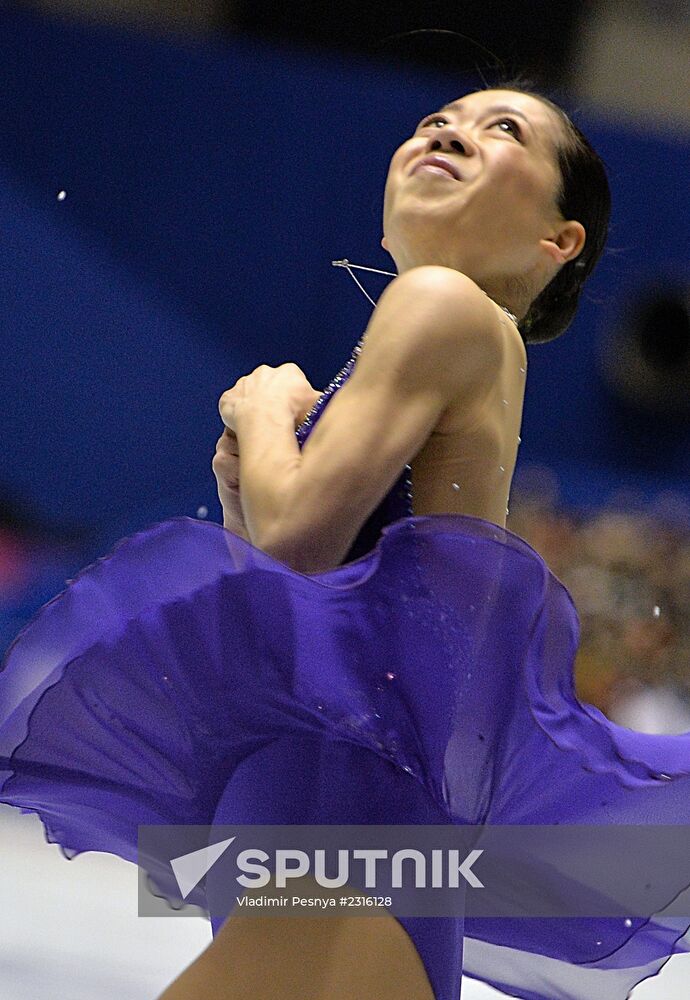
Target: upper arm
(434, 338)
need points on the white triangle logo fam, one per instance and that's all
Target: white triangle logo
(189, 869)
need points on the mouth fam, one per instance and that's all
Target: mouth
(437, 164)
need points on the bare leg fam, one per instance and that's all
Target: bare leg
(306, 958)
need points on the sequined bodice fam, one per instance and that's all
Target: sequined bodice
(398, 501)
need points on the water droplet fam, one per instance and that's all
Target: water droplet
(408, 769)
(202, 512)
(456, 486)
(377, 715)
(523, 370)
(61, 195)
(628, 922)
(320, 707)
(664, 777)
(519, 439)
(598, 942)
(656, 611)
(505, 402)
(502, 468)
(165, 677)
(507, 511)
(390, 676)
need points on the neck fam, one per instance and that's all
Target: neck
(514, 293)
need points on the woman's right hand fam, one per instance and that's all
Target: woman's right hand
(226, 469)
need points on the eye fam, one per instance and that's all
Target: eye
(433, 119)
(430, 119)
(516, 128)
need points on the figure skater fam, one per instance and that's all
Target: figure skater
(363, 641)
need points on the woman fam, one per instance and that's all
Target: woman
(366, 644)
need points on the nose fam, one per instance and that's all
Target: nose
(449, 137)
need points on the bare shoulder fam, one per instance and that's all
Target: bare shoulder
(435, 324)
(441, 287)
(447, 309)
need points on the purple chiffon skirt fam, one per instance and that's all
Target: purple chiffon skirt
(189, 678)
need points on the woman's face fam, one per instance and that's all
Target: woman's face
(500, 218)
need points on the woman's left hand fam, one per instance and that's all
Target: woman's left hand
(285, 386)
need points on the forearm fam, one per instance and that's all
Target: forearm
(270, 462)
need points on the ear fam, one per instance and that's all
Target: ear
(384, 243)
(567, 243)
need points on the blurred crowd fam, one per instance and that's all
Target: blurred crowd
(626, 566)
(628, 572)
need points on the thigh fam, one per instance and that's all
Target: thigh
(306, 958)
(306, 780)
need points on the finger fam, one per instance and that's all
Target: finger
(227, 443)
(226, 405)
(226, 460)
(226, 469)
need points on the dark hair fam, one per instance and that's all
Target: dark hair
(584, 195)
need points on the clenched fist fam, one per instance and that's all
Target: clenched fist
(285, 387)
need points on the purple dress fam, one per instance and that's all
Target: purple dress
(189, 678)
